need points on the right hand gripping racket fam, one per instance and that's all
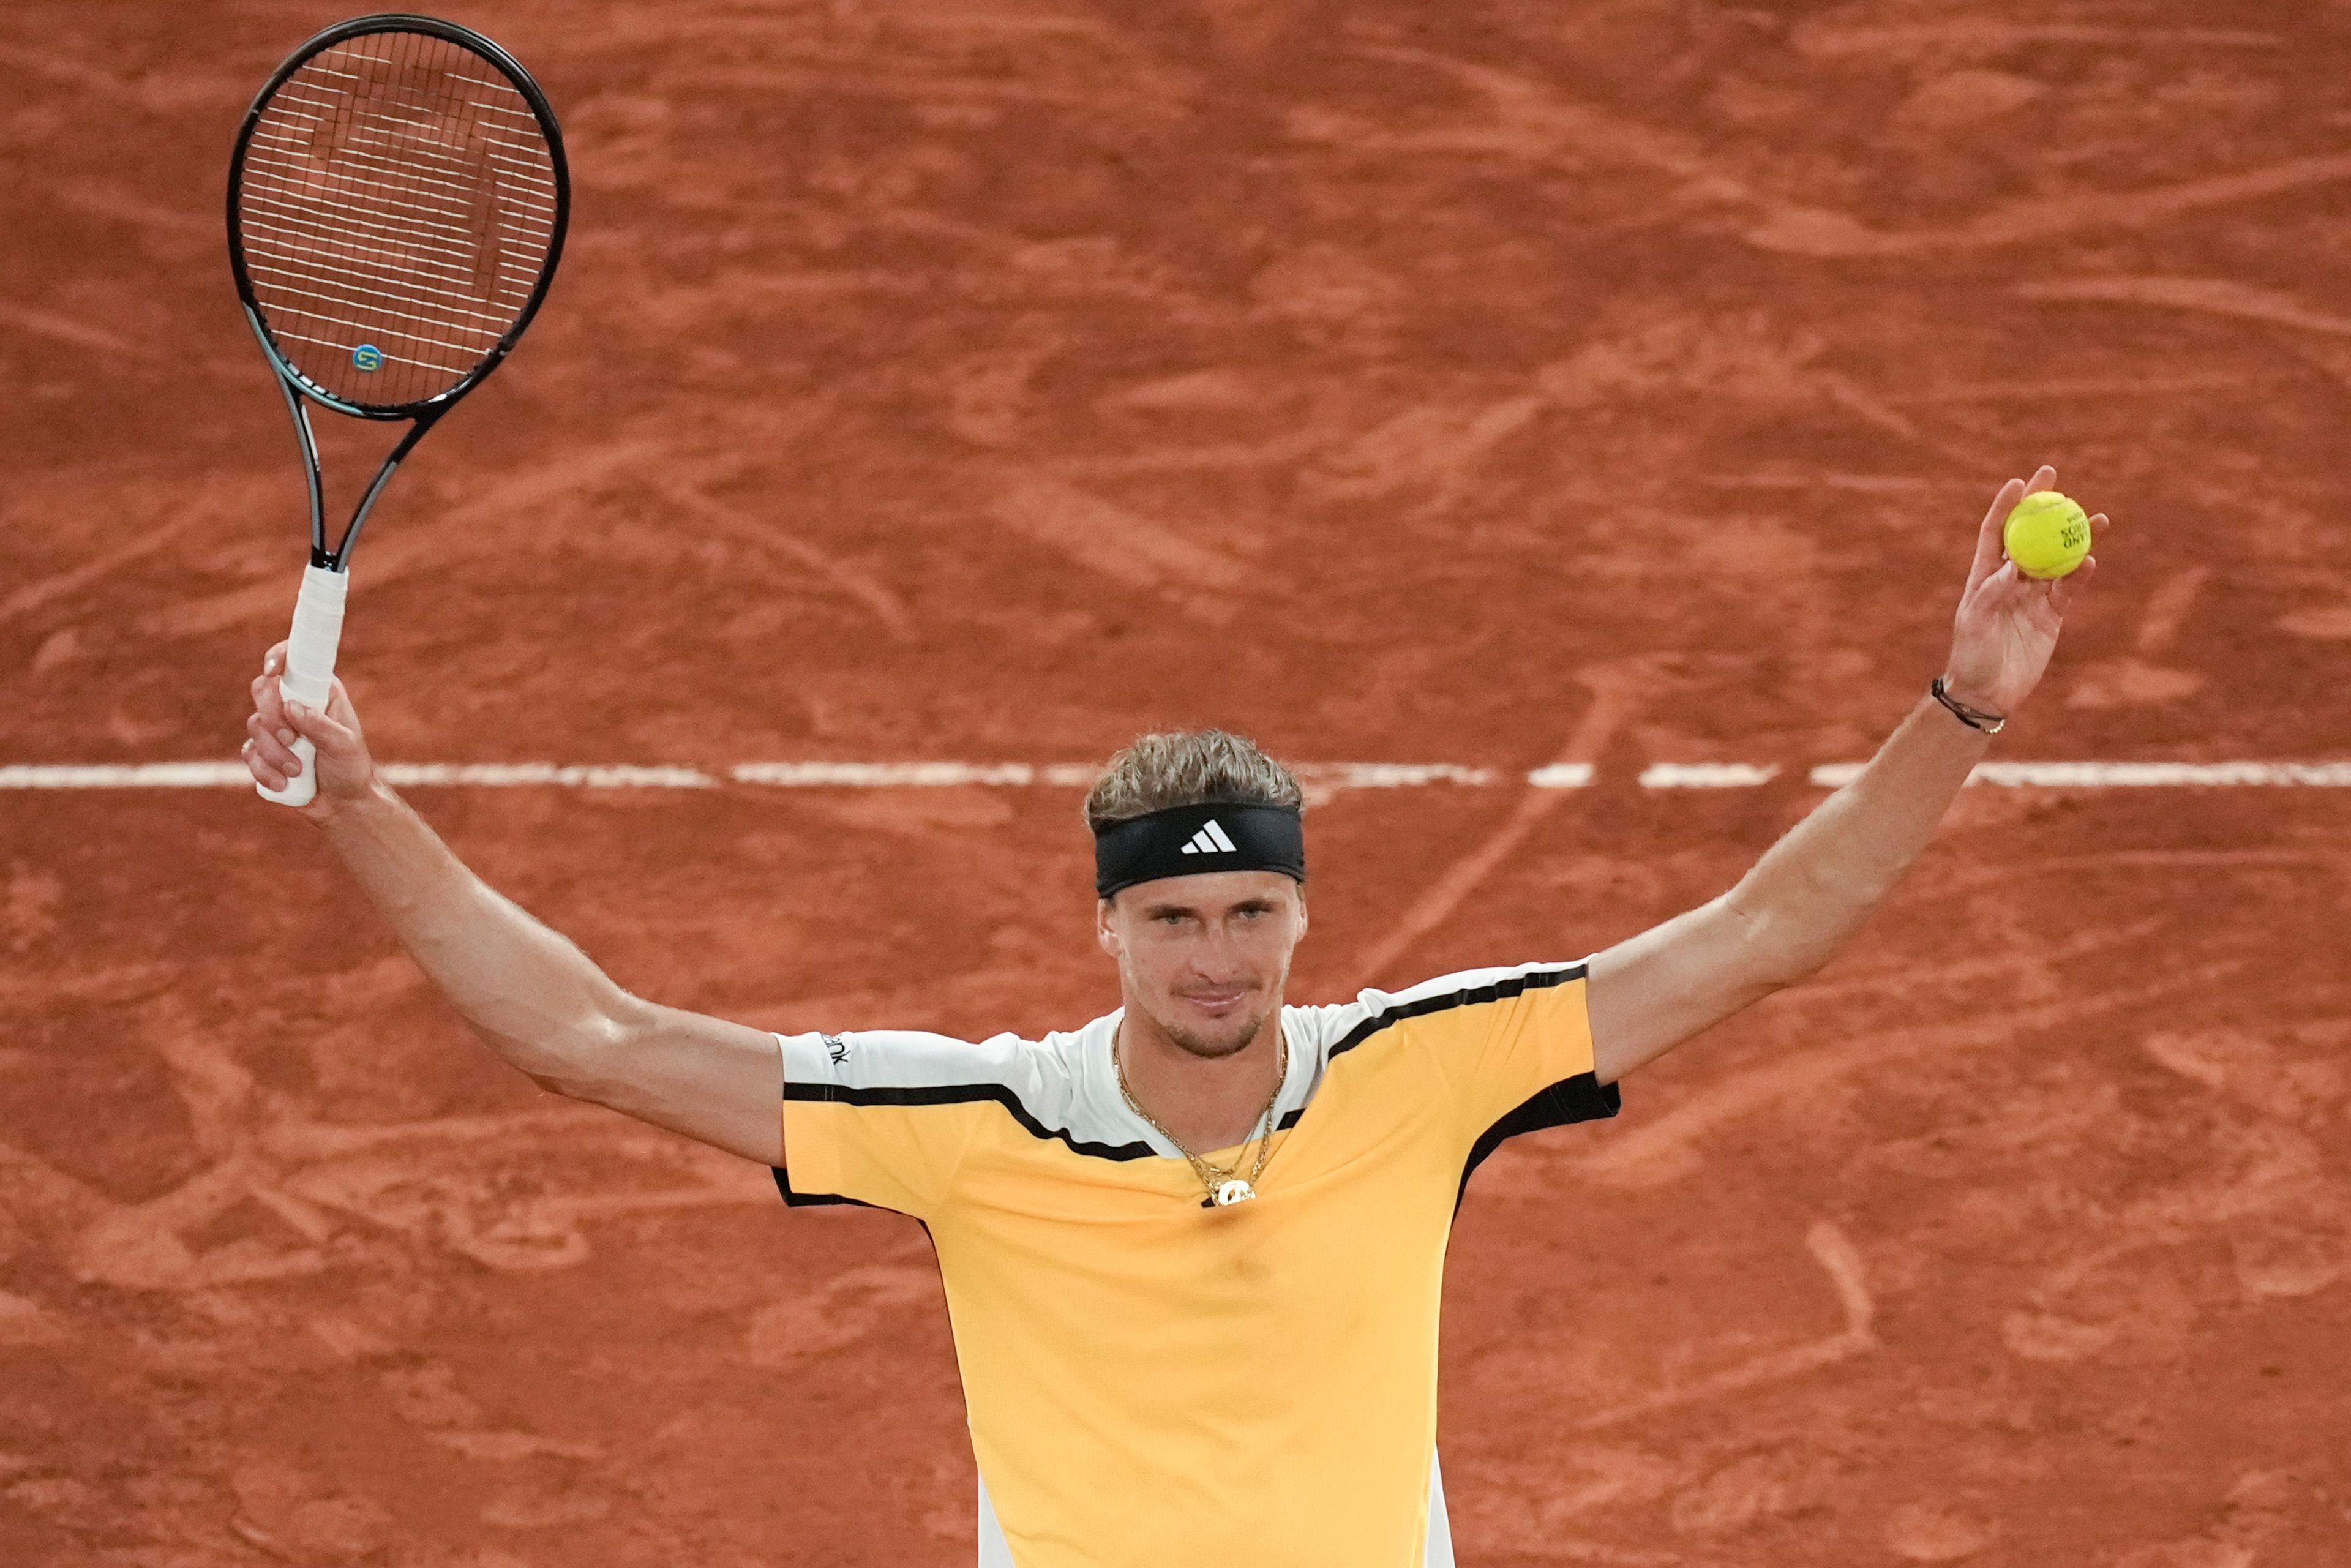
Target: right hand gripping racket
(396, 207)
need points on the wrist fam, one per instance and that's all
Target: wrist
(1971, 710)
(371, 804)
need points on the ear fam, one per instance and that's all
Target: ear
(1107, 927)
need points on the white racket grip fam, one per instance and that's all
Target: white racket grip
(310, 670)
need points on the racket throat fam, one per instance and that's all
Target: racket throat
(342, 558)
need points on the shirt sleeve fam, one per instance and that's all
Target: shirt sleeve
(883, 1117)
(1514, 1046)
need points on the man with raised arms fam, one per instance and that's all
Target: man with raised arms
(1193, 1250)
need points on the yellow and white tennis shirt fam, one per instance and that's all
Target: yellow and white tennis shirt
(1152, 1381)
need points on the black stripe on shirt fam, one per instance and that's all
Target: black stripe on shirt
(809, 1200)
(1582, 1098)
(1501, 990)
(967, 1093)
(962, 1094)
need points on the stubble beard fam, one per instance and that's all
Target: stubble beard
(1193, 1043)
(1207, 1050)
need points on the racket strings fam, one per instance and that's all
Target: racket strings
(398, 202)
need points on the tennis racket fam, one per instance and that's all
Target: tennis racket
(396, 207)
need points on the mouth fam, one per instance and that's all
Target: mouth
(1217, 1002)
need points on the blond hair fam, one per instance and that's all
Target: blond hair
(1187, 768)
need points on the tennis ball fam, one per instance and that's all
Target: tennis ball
(2047, 535)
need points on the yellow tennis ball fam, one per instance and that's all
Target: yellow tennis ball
(2047, 535)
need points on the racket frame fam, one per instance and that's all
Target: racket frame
(423, 412)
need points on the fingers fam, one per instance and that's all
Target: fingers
(2043, 478)
(1990, 551)
(2005, 585)
(264, 773)
(1992, 595)
(272, 749)
(270, 702)
(269, 774)
(2062, 592)
(329, 735)
(270, 730)
(268, 725)
(267, 699)
(2070, 585)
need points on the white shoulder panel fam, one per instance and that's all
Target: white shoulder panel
(1329, 1025)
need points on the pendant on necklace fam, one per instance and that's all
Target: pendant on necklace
(1237, 1190)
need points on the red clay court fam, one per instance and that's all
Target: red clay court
(1500, 385)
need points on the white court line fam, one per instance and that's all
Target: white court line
(498, 775)
(1379, 775)
(115, 776)
(2129, 775)
(1075, 775)
(1705, 775)
(1332, 775)
(899, 775)
(228, 775)
(2160, 775)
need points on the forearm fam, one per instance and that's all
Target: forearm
(537, 998)
(1790, 914)
(1814, 887)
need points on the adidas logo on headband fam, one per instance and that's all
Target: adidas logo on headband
(1211, 840)
(1237, 836)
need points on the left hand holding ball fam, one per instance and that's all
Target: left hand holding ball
(2031, 562)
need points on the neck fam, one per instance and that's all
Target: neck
(1208, 1102)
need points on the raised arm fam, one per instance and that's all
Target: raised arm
(536, 998)
(1814, 887)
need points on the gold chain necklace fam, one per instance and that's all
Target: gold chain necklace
(1224, 1184)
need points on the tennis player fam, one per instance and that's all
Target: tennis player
(1193, 1250)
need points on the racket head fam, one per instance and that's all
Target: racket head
(397, 204)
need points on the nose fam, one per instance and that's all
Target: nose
(1218, 961)
(1217, 946)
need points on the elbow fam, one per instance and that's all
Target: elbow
(1776, 969)
(1793, 969)
(1777, 947)
(551, 1082)
(577, 1057)
(560, 1067)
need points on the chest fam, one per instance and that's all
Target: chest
(1354, 1209)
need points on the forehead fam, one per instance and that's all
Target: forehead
(1208, 890)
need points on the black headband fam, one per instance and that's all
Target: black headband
(1186, 840)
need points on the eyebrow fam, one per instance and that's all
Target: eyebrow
(1153, 911)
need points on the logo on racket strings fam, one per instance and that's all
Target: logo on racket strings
(368, 357)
